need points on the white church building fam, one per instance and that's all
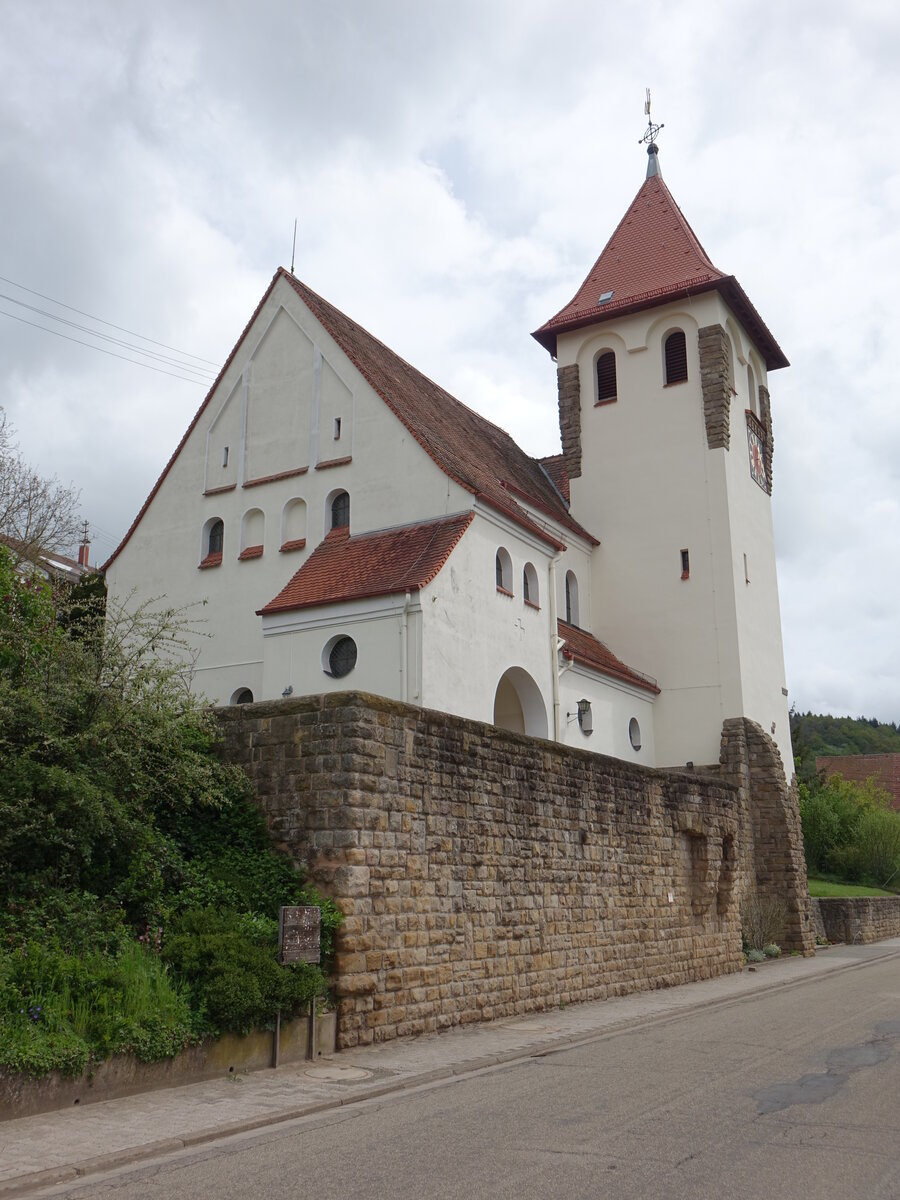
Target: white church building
(351, 525)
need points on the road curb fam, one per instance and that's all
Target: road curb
(21, 1185)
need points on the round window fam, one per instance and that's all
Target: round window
(634, 733)
(342, 657)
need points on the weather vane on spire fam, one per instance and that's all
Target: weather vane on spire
(650, 138)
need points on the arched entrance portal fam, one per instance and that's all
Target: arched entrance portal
(518, 704)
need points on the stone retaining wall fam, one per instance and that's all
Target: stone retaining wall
(484, 873)
(857, 919)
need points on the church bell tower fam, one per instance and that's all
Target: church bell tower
(663, 365)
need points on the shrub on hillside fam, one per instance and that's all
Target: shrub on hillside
(118, 824)
(850, 830)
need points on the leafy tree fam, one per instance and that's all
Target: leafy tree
(36, 514)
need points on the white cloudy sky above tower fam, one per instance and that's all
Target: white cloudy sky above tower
(456, 168)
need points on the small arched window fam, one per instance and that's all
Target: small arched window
(530, 585)
(340, 511)
(753, 403)
(571, 598)
(293, 524)
(676, 357)
(253, 533)
(503, 571)
(242, 696)
(606, 377)
(215, 537)
(212, 542)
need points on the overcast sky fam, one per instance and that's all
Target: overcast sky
(456, 167)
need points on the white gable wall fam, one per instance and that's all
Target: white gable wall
(286, 385)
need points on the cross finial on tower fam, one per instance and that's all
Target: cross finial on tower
(650, 138)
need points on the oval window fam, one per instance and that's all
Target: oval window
(342, 657)
(634, 733)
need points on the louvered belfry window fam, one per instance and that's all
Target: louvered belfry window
(606, 377)
(676, 357)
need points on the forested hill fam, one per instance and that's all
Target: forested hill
(813, 735)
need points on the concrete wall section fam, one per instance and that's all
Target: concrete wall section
(484, 873)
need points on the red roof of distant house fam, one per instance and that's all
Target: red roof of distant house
(477, 454)
(582, 647)
(883, 768)
(653, 257)
(383, 563)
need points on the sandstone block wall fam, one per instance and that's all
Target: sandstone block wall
(715, 383)
(569, 388)
(485, 874)
(772, 841)
(859, 919)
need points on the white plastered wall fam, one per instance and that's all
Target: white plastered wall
(613, 706)
(161, 558)
(650, 488)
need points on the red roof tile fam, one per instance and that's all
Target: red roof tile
(653, 257)
(582, 647)
(371, 564)
(480, 456)
(555, 466)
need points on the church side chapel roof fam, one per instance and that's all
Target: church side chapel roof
(474, 452)
(653, 257)
(383, 563)
(582, 647)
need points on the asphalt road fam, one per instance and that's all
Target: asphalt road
(790, 1093)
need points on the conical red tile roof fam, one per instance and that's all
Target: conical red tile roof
(652, 258)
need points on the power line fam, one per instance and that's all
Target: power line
(100, 349)
(164, 358)
(91, 317)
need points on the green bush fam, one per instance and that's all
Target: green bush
(230, 967)
(139, 892)
(58, 1011)
(850, 830)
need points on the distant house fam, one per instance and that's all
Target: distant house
(349, 524)
(55, 568)
(883, 768)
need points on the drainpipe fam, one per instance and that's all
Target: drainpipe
(554, 645)
(404, 650)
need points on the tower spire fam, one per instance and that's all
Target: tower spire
(649, 137)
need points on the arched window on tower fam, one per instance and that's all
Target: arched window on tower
(340, 511)
(752, 393)
(606, 377)
(676, 357)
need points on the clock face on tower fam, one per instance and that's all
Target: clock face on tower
(757, 457)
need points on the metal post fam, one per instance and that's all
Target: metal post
(311, 1042)
(276, 1047)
